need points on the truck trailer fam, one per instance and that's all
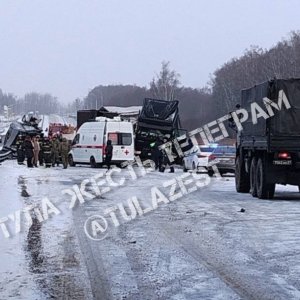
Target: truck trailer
(268, 150)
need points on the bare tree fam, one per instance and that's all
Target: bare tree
(43, 103)
(74, 106)
(166, 84)
(7, 100)
(255, 66)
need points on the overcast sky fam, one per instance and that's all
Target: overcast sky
(67, 47)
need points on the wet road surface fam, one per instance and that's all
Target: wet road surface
(199, 246)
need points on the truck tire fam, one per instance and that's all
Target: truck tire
(253, 184)
(264, 190)
(242, 179)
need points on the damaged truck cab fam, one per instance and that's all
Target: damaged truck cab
(157, 119)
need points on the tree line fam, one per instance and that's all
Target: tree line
(197, 105)
(220, 96)
(194, 104)
(43, 103)
(256, 65)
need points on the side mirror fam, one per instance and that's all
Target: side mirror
(232, 124)
(195, 150)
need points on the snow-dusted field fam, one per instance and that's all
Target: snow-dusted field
(199, 246)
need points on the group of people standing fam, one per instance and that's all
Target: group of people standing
(42, 151)
(159, 156)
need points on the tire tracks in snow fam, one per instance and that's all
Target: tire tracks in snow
(249, 278)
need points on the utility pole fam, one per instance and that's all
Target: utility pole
(102, 100)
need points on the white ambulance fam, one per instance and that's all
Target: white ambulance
(89, 144)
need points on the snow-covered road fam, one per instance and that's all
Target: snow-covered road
(200, 246)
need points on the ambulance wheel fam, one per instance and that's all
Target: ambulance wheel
(121, 166)
(210, 173)
(93, 162)
(184, 167)
(71, 161)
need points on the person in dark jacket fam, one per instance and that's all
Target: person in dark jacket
(28, 147)
(20, 150)
(41, 153)
(156, 153)
(47, 152)
(108, 153)
(165, 159)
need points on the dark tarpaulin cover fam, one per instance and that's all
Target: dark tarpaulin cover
(85, 115)
(287, 121)
(89, 115)
(254, 94)
(159, 109)
(284, 122)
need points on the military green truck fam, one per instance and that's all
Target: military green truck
(268, 146)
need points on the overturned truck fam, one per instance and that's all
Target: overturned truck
(157, 119)
(17, 129)
(268, 149)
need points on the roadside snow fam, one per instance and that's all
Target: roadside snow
(200, 246)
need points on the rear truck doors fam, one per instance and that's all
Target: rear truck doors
(121, 135)
(122, 145)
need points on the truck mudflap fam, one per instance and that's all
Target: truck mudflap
(285, 177)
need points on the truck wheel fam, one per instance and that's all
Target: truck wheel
(264, 190)
(253, 187)
(93, 162)
(71, 161)
(210, 173)
(242, 180)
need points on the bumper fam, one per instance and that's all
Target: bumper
(224, 168)
(285, 177)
